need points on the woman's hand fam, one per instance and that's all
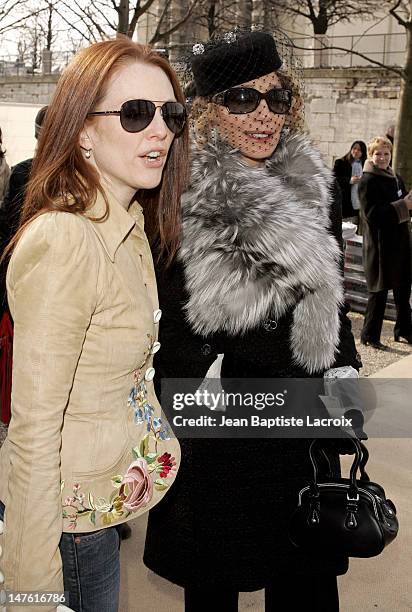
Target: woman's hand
(355, 179)
(60, 608)
(408, 200)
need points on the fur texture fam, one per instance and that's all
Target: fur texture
(256, 243)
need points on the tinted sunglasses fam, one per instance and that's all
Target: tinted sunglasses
(241, 100)
(136, 115)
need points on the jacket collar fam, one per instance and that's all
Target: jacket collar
(113, 230)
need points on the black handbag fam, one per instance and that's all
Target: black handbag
(343, 516)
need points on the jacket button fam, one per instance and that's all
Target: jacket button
(149, 375)
(157, 315)
(155, 347)
(270, 325)
(206, 349)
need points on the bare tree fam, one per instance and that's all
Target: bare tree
(213, 16)
(325, 13)
(167, 24)
(15, 13)
(403, 130)
(99, 19)
(36, 34)
(401, 10)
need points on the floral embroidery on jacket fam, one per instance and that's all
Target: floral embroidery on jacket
(148, 471)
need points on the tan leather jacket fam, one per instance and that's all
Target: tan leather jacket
(85, 447)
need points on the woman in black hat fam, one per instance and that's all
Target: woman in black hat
(257, 279)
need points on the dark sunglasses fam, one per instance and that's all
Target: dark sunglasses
(136, 115)
(241, 100)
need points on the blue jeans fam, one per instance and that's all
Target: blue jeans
(91, 569)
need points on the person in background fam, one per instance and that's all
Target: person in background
(4, 171)
(9, 221)
(12, 206)
(385, 212)
(87, 444)
(14, 196)
(348, 171)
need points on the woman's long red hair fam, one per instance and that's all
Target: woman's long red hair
(62, 180)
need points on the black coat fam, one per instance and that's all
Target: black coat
(224, 521)
(386, 240)
(343, 172)
(10, 215)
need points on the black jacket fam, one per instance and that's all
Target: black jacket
(225, 520)
(386, 233)
(343, 173)
(10, 215)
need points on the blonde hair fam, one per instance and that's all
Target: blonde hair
(378, 141)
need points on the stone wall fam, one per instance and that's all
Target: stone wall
(28, 89)
(342, 105)
(20, 99)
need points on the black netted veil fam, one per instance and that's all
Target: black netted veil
(255, 57)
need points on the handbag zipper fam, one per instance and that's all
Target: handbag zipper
(342, 486)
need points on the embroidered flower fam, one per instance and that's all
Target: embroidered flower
(134, 489)
(198, 49)
(115, 512)
(136, 486)
(167, 463)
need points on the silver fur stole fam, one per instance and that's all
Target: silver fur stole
(256, 242)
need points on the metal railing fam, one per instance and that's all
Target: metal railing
(17, 66)
(388, 49)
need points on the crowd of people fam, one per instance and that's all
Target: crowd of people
(138, 226)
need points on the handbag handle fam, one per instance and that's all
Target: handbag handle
(359, 462)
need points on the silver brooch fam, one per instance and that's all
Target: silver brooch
(198, 49)
(229, 37)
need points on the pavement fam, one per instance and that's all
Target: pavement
(381, 583)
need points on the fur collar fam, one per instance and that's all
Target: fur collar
(256, 242)
(373, 169)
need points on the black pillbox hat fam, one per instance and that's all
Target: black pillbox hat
(234, 59)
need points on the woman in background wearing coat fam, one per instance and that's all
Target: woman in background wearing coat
(248, 282)
(348, 172)
(385, 212)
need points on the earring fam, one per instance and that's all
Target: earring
(87, 153)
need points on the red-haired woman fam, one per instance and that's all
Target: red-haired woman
(87, 445)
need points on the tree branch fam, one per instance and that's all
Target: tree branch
(160, 21)
(398, 18)
(20, 21)
(161, 35)
(138, 11)
(397, 71)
